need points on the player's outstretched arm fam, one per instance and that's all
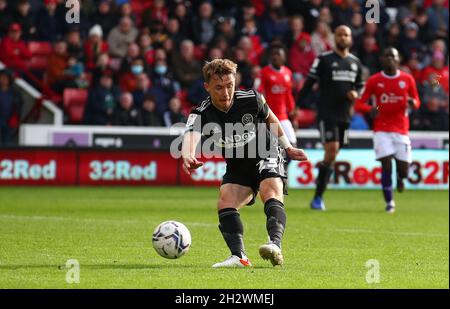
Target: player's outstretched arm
(291, 151)
(190, 142)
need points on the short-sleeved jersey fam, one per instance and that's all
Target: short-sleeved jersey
(276, 85)
(237, 131)
(336, 76)
(391, 95)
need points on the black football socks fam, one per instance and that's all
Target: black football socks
(276, 220)
(323, 178)
(232, 230)
(386, 184)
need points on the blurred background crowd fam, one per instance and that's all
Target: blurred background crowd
(138, 62)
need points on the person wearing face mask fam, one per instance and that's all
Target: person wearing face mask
(128, 81)
(164, 86)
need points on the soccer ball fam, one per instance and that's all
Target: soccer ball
(171, 239)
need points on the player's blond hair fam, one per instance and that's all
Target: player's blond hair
(219, 67)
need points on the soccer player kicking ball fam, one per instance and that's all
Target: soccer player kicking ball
(247, 170)
(394, 93)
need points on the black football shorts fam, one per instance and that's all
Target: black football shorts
(251, 173)
(334, 131)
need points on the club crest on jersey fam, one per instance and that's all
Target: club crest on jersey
(354, 67)
(401, 84)
(246, 119)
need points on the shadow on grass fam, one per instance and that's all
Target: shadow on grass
(117, 266)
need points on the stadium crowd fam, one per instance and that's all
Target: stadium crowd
(141, 59)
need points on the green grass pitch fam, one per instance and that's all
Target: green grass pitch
(108, 230)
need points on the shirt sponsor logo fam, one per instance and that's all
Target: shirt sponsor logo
(344, 76)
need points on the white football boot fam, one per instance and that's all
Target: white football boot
(272, 252)
(234, 262)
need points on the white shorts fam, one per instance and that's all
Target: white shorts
(392, 144)
(289, 131)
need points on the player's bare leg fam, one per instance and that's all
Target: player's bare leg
(386, 183)
(271, 192)
(402, 172)
(325, 172)
(232, 197)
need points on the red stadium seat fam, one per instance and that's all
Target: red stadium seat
(74, 103)
(38, 63)
(306, 118)
(40, 48)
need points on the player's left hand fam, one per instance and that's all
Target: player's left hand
(296, 154)
(411, 102)
(352, 95)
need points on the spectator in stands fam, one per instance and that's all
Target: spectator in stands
(173, 31)
(157, 33)
(6, 18)
(180, 12)
(149, 115)
(57, 75)
(438, 18)
(203, 27)
(370, 30)
(142, 90)
(326, 17)
(393, 35)
(121, 36)
(301, 56)
(75, 44)
(127, 114)
(197, 93)
(125, 10)
(250, 29)
(410, 43)
(133, 53)
(421, 18)
(244, 66)
(356, 24)
(14, 52)
(252, 53)
(369, 54)
(225, 28)
(146, 48)
(94, 46)
(24, 17)
(10, 106)
(295, 29)
(185, 67)
(102, 100)
(78, 77)
(49, 27)
(432, 117)
(433, 88)
(275, 23)
(157, 11)
(438, 70)
(164, 86)
(174, 114)
(311, 12)
(322, 39)
(102, 64)
(128, 80)
(104, 16)
(343, 12)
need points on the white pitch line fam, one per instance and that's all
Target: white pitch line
(390, 233)
(210, 225)
(90, 220)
